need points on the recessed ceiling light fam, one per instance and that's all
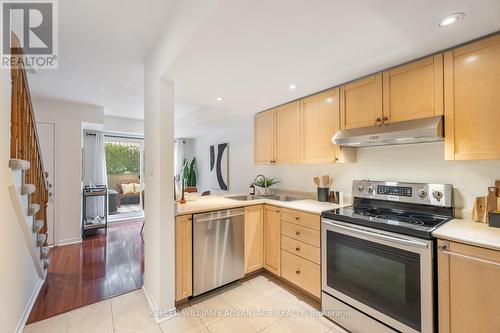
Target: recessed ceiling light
(219, 99)
(450, 19)
(292, 86)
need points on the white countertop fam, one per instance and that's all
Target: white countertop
(214, 202)
(470, 232)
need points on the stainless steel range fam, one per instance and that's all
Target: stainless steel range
(378, 265)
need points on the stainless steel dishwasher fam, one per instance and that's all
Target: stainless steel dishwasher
(218, 249)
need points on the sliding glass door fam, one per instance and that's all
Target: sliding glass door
(124, 167)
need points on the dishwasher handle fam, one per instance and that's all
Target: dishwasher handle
(220, 217)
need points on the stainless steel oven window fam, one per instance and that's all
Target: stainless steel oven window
(385, 275)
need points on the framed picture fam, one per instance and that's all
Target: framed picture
(219, 179)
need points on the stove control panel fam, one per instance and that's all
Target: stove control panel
(419, 193)
(400, 191)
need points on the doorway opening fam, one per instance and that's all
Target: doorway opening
(124, 167)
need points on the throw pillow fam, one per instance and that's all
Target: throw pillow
(128, 188)
(137, 188)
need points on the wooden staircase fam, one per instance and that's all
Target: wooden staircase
(26, 158)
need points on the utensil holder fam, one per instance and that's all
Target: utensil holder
(323, 194)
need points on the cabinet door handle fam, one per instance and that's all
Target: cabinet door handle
(464, 256)
(297, 271)
(297, 248)
(297, 218)
(378, 121)
(384, 119)
(297, 233)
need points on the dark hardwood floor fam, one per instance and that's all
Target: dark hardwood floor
(98, 268)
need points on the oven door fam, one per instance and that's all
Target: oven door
(385, 275)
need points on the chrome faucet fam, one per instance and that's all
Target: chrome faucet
(264, 178)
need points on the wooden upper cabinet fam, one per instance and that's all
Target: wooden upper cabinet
(414, 90)
(254, 242)
(264, 137)
(472, 100)
(361, 102)
(288, 133)
(320, 121)
(468, 293)
(183, 257)
(272, 239)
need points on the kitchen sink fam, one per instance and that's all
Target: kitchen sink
(244, 197)
(285, 198)
(273, 197)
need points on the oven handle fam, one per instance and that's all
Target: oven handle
(385, 237)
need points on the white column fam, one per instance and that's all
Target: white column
(159, 233)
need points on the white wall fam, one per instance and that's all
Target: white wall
(412, 163)
(19, 277)
(242, 171)
(123, 125)
(68, 119)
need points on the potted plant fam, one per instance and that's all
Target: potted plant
(189, 176)
(264, 183)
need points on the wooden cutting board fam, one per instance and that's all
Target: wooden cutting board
(491, 204)
(479, 212)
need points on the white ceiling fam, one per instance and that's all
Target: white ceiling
(251, 57)
(102, 46)
(247, 51)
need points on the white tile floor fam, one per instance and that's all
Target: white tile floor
(256, 305)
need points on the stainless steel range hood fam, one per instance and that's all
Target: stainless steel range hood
(403, 132)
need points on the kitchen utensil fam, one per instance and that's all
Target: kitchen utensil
(479, 212)
(326, 181)
(491, 205)
(316, 181)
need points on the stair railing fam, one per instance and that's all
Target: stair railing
(25, 144)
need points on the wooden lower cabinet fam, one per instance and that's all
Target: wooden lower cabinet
(254, 238)
(183, 257)
(301, 249)
(301, 218)
(272, 240)
(303, 234)
(301, 272)
(469, 296)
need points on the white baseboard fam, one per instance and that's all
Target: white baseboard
(159, 316)
(69, 241)
(29, 306)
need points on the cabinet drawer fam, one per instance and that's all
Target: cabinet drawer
(301, 218)
(301, 249)
(297, 232)
(301, 272)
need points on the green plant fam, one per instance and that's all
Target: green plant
(122, 158)
(263, 181)
(188, 172)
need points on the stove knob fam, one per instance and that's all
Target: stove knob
(422, 193)
(437, 195)
(361, 188)
(370, 189)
